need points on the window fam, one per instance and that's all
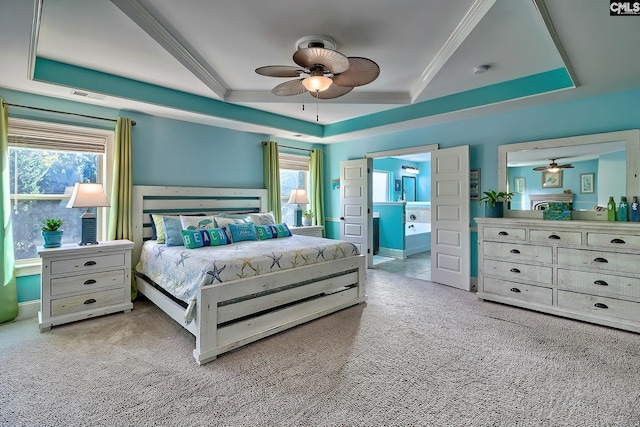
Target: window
(380, 186)
(46, 160)
(294, 173)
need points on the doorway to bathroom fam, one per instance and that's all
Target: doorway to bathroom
(401, 194)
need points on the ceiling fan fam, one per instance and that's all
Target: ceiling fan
(331, 74)
(553, 167)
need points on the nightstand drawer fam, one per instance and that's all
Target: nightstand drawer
(62, 306)
(87, 263)
(87, 282)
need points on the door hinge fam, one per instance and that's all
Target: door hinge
(368, 250)
(368, 210)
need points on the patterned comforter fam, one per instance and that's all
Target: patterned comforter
(181, 271)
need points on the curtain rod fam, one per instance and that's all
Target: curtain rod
(133, 123)
(293, 148)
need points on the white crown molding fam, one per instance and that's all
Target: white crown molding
(546, 18)
(395, 98)
(191, 60)
(471, 19)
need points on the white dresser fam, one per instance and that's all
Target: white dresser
(79, 282)
(309, 230)
(585, 270)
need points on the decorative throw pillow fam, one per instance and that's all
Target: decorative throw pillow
(199, 238)
(282, 230)
(172, 230)
(240, 232)
(262, 218)
(157, 228)
(265, 232)
(197, 222)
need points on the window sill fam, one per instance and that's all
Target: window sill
(28, 267)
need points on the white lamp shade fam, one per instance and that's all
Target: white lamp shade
(299, 197)
(87, 195)
(317, 83)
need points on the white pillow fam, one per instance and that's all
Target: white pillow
(197, 222)
(263, 218)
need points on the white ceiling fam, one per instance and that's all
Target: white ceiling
(425, 50)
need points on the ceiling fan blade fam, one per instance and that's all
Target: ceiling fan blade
(567, 166)
(333, 61)
(280, 71)
(541, 168)
(334, 91)
(361, 71)
(292, 87)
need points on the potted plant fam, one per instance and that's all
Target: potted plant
(494, 202)
(307, 217)
(51, 233)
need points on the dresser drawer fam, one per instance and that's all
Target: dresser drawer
(516, 251)
(87, 282)
(88, 263)
(608, 240)
(556, 236)
(512, 270)
(88, 301)
(526, 293)
(504, 233)
(599, 260)
(599, 283)
(591, 304)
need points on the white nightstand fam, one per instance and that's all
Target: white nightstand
(79, 282)
(310, 230)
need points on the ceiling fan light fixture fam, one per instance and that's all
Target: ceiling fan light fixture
(554, 170)
(317, 83)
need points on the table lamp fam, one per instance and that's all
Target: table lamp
(298, 197)
(88, 195)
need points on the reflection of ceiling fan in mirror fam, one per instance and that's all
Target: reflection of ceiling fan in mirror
(331, 74)
(553, 167)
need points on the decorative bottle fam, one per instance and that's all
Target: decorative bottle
(635, 212)
(622, 209)
(611, 209)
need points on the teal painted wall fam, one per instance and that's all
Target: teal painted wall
(391, 225)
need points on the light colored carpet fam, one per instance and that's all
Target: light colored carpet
(416, 354)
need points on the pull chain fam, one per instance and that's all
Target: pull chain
(317, 116)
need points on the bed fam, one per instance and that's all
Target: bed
(242, 296)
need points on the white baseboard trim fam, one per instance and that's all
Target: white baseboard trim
(28, 310)
(394, 253)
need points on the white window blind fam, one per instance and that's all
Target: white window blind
(294, 162)
(53, 136)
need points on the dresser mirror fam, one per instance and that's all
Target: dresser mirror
(603, 165)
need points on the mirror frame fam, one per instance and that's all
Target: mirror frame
(630, 137)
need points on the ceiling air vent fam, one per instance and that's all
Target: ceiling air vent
(89, 95)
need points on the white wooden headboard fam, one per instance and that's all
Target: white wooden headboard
(148, 199)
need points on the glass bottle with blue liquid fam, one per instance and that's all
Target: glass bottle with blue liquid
(622, 209)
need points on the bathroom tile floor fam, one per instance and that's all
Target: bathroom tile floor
(417, 266)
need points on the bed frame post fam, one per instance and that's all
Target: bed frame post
(206, 327)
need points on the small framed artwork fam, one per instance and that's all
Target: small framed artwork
(518, 185)
(397, 185)
(586, 183)
(552, 179)
(474, 184)
(335, 183)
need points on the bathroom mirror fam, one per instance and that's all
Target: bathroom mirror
(409, 188)
(604, 165)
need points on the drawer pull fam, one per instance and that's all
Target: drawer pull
(600, 305)
(619, 241)
(503, 233)
(601, 283)
(89, 282)
(514, 251)
(515, 270)
(554, 237)
(516, 290)
(603, 260)
(89, 263)
(90, 301)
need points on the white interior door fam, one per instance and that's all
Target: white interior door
(450, 241)
(356, 209)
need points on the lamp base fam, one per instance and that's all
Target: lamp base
(89, 229)
(298, 220)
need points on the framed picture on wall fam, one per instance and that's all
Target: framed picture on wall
(397, 185)
(474, 184)
(552, 179)
(518, 185)
(586, 183)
